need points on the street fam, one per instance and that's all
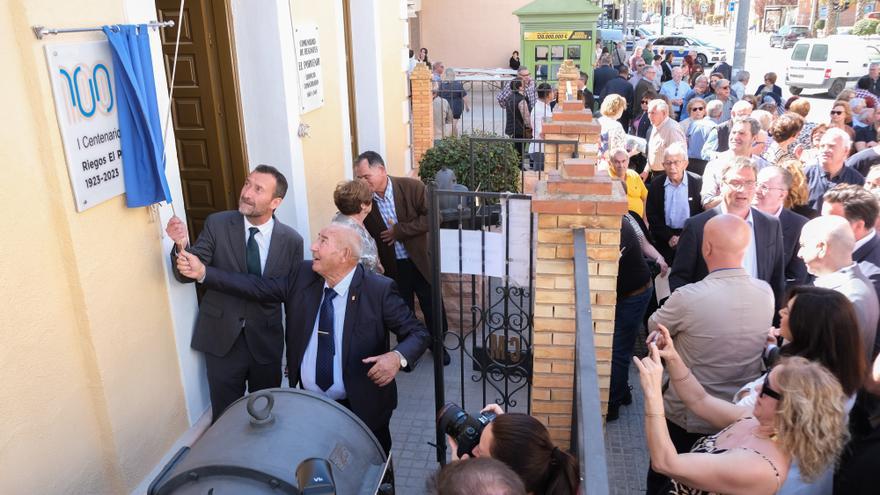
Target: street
(760, 59)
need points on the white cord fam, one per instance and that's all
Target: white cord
(179, 26)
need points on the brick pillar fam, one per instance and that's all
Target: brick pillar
(572, 123)
(422, 113)
(573, 196)
(568, 72)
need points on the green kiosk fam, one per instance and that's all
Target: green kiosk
(554, 30)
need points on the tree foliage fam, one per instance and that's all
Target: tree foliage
(865, 27)
(496, 163)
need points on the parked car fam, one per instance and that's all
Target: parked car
(787, 36)
(681, 45)
(831, 63)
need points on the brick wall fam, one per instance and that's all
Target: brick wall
(422, 113)
(572, 196)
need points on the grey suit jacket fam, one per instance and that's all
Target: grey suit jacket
(222, 244)
(690, 267)
(853, 284)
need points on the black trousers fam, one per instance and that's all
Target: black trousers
(683, 440)
(231, 375)
(412, 284)
(382, 434)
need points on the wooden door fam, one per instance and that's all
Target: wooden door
(205, 108)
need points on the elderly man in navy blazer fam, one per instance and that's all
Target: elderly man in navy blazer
(338, 316)
(764, 255)
(673, 197)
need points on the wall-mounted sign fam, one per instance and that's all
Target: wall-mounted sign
(558, 35)
(81, 75)
(308, 64)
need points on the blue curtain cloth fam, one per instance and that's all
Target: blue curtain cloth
(143, 157)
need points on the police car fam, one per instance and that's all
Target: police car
(681, 45)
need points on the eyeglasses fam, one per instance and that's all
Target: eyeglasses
(667, 163)
(697, 109)
(765, 188)
(741, 185)
(759, 143)
(769, 392)
(836, 112)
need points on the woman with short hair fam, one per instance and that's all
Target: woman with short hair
(354, 200)
(784, 130)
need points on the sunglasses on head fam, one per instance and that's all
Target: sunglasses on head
(769, 392)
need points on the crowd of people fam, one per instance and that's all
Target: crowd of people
(765, 354)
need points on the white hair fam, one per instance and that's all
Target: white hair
(658, 104)
(675, 149)
(836, 132)
(714, 108)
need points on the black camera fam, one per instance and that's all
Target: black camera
(462, 427)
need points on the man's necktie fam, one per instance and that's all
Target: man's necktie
(253, 253)
(326, 343)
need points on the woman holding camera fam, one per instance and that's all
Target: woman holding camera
(799, 414)
(524, 444)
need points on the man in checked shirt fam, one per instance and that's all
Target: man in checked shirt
(399, 224)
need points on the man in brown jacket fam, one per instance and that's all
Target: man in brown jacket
(399, 224)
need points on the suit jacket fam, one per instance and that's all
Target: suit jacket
(374, 307)
(601, 76)
(868, 258)
(655, 210)
(622, 87)
(690, 267)
(795, 269)
(411, 206)
(222, 244)
(852, 283)
(717, 142)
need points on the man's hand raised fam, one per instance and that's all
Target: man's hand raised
(384, 369)
(190, 266)
(176, 230)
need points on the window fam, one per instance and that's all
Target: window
(819, 53)
(541, 72)
(574, 52)
(557, 52)
(542, 52)
(799, 54)
(662, 42)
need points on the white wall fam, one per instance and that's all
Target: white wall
(182, 297)
(368, 76)
(268, 80)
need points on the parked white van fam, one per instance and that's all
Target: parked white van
(831, 63)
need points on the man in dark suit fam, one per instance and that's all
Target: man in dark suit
(338, 316)
(399, 224)
(620, 86)
(603, 74)
(773, 186)
(645, 84)
(672, 198)
(242, 340)
(764, 256)
(859, 207)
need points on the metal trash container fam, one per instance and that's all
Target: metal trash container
(278, 441)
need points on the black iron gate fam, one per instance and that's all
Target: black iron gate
(483, 242)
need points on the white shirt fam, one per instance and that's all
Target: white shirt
(864, 240)
(307, 367)
(263, 238)
(750, 260)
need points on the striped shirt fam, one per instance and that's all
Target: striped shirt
(389, 215)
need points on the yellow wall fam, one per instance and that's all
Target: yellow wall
(464, 33)
(325, 154)
(392, 34)
(91, 385)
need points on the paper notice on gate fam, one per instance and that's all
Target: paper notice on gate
(472, 252)
(516, 221)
